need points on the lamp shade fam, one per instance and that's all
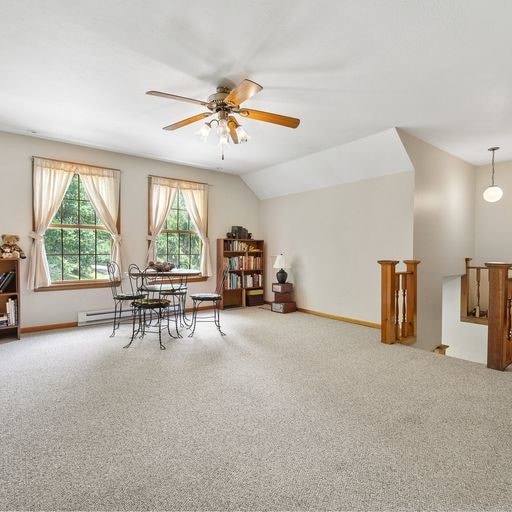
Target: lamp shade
(280, 262)
(204, 131)
(492, 194)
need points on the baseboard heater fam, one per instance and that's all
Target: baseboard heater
(101, 317)
(107, 315)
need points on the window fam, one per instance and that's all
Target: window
(78, 246)
(75, 226)
(178, 223)
(178, 242)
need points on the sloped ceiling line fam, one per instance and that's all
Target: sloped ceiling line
(377, 155)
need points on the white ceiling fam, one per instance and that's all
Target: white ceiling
(440, 69)
(376, 155)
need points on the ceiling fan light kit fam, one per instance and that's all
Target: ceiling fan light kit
(204, 131)
(226, 102)
(242, 135)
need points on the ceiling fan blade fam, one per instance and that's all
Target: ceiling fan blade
(268, 117)
(232, 125)
(243, 91)
(175, 97)
(189, 120)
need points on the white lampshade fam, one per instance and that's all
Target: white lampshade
(280, 262)
(493, 194)
(204, 131)
(241, 134)
(222, 128)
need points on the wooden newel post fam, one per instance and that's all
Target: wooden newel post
(387, 317)
(499, 350)
(412, 289)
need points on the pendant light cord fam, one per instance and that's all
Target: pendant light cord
(492, 179)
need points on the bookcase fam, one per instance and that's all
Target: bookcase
(9, 298)
(244, 280)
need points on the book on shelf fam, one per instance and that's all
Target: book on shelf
(252, 262)
(253, 280)
(6, 280)
(240, 246)
(232, 282)
(233, 263)
(235, 245)
(243, 262)
(11, 311)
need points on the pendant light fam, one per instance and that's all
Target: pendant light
(493, 193)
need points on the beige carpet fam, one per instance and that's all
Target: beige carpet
(286, 412)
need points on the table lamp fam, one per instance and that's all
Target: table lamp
(281, 274)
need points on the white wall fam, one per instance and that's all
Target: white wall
(231, 203)
(493, 242)
(466, 340)
(443, 228)
(333, 239)
(493, 236)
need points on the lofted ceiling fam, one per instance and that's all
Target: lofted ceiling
(78, 72)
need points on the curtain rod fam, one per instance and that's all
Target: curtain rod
(113, 169)
(180, 179)
(74, 163)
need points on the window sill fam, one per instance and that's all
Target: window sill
(197, 279)
(84, 285)
(74, 285)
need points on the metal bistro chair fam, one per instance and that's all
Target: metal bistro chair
(119, 295)
(165, 287)
(176, 292)
(150, 310)
(213, 298)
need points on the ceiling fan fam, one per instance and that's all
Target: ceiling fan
(226, 102)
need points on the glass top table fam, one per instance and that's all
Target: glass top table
(155, 281)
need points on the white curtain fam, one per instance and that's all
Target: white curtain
(102, 187)
(162, 192)
(50, 182)
(196, 201)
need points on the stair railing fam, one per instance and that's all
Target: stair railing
(499, 333)
(398, 302)
(474, 306)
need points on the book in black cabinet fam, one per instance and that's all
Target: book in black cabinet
(9, 298)
(6, 280)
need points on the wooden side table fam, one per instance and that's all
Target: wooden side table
(283, 302)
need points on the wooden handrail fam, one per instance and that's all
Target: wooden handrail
(499, 343)
(473, 266)
(398, 301)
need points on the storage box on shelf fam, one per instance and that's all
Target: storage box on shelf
(254, 297)
(244, 261)
(9, 299)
